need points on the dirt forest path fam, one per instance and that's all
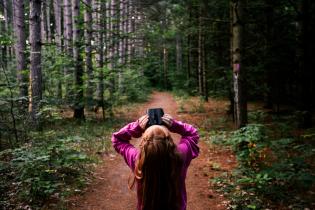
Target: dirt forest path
(109, 190)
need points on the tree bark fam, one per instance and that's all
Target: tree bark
(113, 46)
(231, 85)
(179, 53)
(5, 49)
(238, 68)
(120, 18)
(125, 37)
(131, 29)
(68, 47)
(43, 22)
(204, 70)
(68, 26)
(48, 7)
(200, 70)
(78, 72)
(58, 38)
(20, 48)
(165, 50)
(36, 71)
(189, 59)
(165, 66)
(110, 51)
(88, 51)
(99, 28)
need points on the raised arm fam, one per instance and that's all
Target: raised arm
(188, 144)
(121, 138)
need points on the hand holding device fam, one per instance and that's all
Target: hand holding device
(155, 116)
(167, 120)
(143, 121)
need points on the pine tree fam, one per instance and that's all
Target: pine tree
(239, 79)
(88, 51)
(35, 58)
(78, 62)
(20, 48)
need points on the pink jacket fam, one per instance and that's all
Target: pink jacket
(187, 147)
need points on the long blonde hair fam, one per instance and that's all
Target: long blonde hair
(157, 171)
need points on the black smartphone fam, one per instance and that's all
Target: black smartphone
(155, 116)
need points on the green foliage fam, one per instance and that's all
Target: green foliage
(54, 66)
(256, 116)
(14, 119)
(55, 163)
(248, 143)
(219, 81)
(134, 87)
(43, 171)
(269, 170)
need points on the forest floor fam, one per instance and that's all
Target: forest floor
(109, 188)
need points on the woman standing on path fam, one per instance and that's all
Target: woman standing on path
(159, 166)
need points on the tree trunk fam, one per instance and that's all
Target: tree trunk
(204, 70)
(191, 43)
(48, 7)
(88, 52)
(20, 48)
(78, 71)
(43, 22)
(231, 85)
(121, 32)
(140, 36)
(165, 66)
(189, 59)
(68, 26)
(130, 42)
(128, 31)
(99, 28)
(113, 45)
(200, 80)
(5, 48)
(165, 50)
(109, 52)
(179, 53)
(58, 40)
(238, 69)
(120, 17)
(68, 47)
(125, 43)
(36, 72)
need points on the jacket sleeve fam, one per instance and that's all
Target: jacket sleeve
(188, 145)
(120, 141)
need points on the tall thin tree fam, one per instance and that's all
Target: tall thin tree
(179, 53)
(20, 47)
(5, 48)
(43, 22)
(78, 71)
(35, 57)
(88, 51)
(68, 47)
(58, 38)
(99, 23)
(200, 58)
(240, 107)
(48, 21)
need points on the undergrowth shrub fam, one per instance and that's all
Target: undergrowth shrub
(36, 173)
(269, 171)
